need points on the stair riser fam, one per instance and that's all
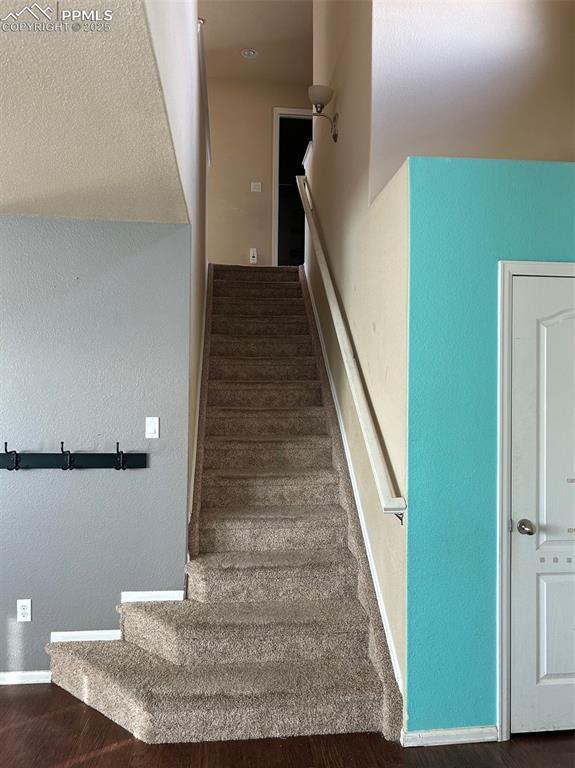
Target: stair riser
(261, 290)
(298, 369)
(257, 307)
(257, 426)
(259, 584)
(263, 536)
(243, 492)
(261, 347)
(256, 275)
(228, 325)
(265, 455)
(246, 397)
(244, 644)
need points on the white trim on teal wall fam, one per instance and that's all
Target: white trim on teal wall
(436, 737)
(507, 271)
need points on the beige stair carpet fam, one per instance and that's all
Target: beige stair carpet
(280, 633)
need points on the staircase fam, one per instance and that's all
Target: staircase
(280, 633)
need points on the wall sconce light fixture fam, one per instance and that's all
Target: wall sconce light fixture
(320, 96)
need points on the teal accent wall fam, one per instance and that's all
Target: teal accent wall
(465, 217)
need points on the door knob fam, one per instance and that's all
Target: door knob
(526, 527)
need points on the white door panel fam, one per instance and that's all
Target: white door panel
(543, 492)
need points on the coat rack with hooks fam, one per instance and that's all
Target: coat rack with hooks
(14, 460)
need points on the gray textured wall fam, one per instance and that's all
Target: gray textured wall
(94, 336)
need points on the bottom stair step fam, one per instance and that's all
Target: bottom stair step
(158, 703)
(188, 632)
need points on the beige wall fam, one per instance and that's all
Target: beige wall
(382, 255)
(241, 114)
(367, 251)
(472, 79)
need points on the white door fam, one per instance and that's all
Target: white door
(543, 504)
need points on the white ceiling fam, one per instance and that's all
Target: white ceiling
(280, 30)
(83, 128)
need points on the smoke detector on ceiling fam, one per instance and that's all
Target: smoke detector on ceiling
(249, 53)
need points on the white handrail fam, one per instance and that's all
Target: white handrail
(204, 88)
(382, 473)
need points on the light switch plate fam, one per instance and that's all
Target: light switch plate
(152, 427)
(256, 186)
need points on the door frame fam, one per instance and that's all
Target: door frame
(507, 271)
(279, 112)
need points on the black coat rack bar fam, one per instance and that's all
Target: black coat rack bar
(66, 460)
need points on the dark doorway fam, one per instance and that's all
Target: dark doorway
(294, 136)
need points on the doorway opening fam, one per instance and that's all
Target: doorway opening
(292, 134)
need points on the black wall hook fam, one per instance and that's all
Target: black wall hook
(121, 460)
(68, 455)
(15, 458)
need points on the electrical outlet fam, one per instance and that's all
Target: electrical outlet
(24, 609)
(253, 255)
(256, 186)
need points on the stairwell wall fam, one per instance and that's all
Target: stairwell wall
(93, 337)
(173, 27)
(367, 249)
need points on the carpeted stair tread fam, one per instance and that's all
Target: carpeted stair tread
(235, 273)
(270, 560)
(264, 307)
(272, 439)
(256, 452)
(272, 575)
(276, 473)
(263, 369)
(184, 615)
(275, 527)
(254, 327)
(232, 412)
(275, 513)
(258, 395)
(144, 675)
(257, 290)
(282, 347)
(187, 632)
(270, 422)
(270, 486)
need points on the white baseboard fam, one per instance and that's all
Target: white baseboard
(355, 488)
(436, 737)
(45, 676)
(146, 597)
(84, 635)
(25, 678)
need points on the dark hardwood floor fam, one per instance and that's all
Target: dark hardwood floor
(41, 726)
